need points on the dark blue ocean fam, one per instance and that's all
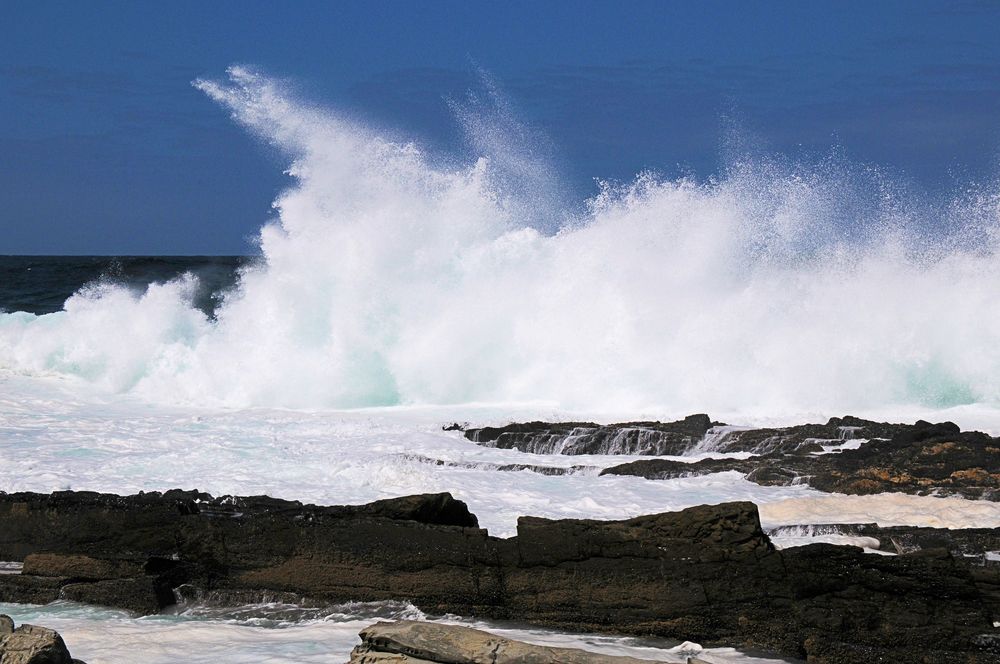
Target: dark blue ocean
(41, 284)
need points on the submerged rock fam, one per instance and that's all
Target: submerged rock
(30, 644)
(410, 641)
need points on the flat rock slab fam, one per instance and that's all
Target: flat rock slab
(411, 641)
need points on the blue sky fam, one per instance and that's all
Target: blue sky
(106, 148)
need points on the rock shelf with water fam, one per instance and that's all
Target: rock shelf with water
(708, 574)
(923, 459)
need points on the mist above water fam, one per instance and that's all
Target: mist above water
(389, 276)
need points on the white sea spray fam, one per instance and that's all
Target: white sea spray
(388, 278)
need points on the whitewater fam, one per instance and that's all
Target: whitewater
(398, 290)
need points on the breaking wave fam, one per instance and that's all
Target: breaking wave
(391, 277)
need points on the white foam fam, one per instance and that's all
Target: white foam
(784, 538)
(57, 438)
(885, 509)
(852, 444)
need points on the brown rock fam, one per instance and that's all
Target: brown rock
(408, 641)
(29, 644)
(922, 458)
(79, 567)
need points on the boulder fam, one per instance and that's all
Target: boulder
(30, 644)
(409, 641)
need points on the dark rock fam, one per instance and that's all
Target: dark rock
(921, 459)
(437, 509)
(30, 644)
(802, 438)
(988, 643)
(129, 552)
(589, 438)
(667, 469)
(929, 458)
(26, 589)
(707, 573)
(143, 595)
(695, 432)
(830, 579)
(78, 567)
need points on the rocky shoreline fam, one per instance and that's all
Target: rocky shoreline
(920, 458)
(398, 642)
(708, 574)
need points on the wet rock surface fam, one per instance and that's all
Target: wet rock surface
(802, 438)
(589, 438)
(30, 644)
(708, 574)
(922, 458)
(693, 433)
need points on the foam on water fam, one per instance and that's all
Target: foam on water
(101, 636)
(56, 438)
(388, 278)
(884, 509)
(790, 536)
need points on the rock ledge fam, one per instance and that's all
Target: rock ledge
(416, 642)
